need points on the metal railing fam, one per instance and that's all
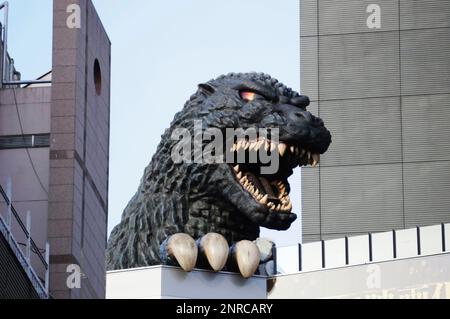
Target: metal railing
(24, 259)
(369, 248)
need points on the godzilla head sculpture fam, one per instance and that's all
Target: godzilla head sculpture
(220, 204)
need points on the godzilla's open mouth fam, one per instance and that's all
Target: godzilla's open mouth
(272, 190)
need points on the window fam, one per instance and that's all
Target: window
(24, 141)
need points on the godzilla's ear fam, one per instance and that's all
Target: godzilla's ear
(207, 88)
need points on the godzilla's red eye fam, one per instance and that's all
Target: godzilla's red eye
(248, 96)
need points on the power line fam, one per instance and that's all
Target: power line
(26, 149)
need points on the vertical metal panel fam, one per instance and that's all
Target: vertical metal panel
(287, 259)
(417, 14)
(426, 127)
(308, 17)
(359, 65)
(447, 237)
(358, 249)
(310, 202)
(313, 108)
(431, 240)
(382, 245)
(309, 67)
(427, 189)
(407, 243)
(425, 56)
(365, 131)
(361, 198)
(312, 237)
(335, 255)
(312, 256)
(300, 260)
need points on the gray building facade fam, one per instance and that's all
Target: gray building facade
(54, 148)
(378, 73)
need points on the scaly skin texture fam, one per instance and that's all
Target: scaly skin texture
(197, 199)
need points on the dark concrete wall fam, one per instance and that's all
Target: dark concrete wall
(385, 95)
(14, 282)
(79, 153)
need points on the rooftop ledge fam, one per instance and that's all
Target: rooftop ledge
(422, 277)
(165, 282)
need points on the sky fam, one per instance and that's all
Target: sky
(161, 50)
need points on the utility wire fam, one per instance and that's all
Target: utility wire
(26, 149)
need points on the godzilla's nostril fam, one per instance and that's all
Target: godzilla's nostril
(306, 115)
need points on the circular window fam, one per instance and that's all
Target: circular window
(97, 77)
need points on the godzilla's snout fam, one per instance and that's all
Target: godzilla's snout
(303, 128)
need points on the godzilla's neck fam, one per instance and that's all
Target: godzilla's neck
(209, 216)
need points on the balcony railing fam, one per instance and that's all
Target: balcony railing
(364, 249)
(41, 286)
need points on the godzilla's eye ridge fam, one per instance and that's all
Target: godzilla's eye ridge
(249, 96)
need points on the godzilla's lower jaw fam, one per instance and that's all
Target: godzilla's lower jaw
(273, 194)
(271, 191)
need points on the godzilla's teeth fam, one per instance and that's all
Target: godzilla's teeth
(259, 197)
(292, 148)
(281, 187)
(273, 146)
(239, 175)
(260, 144)
(282, 148)
(309, 156)
(297, 151)
(278, 207)
(243, 179)
(236, 169)
(302, 153)
(316, 159)
(266, 146)
(289, 206)
(246, 145)
(265, 199)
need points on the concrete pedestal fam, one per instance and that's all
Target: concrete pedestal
(162, 282)
(425, 277)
